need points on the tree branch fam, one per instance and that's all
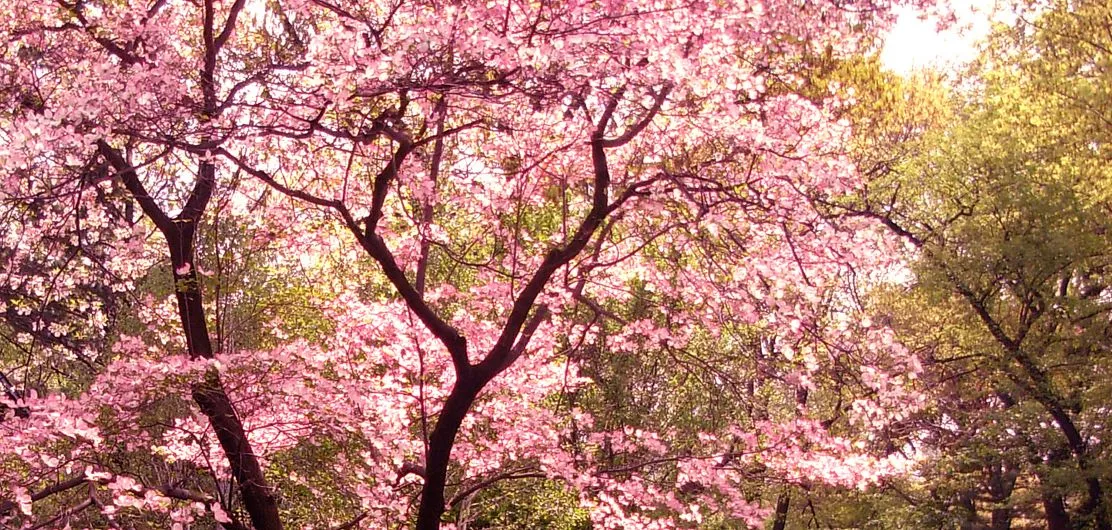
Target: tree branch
(496, 360)
(229, 25)
(512, 475)
(658, 101)
(131, 181)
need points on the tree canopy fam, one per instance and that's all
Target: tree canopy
(579, 265)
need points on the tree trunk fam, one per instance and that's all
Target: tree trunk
(1094, 508)
(209, 394)
(968, 509)
(782, 504)
(441, 440)
(1056, 516)
(1002, 477)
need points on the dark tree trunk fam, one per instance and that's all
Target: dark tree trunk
(782, 504)
(1094, 509)
(1002, 519)
(258, 497)
(440, 453)
(968, 511)
(1057, 518)
(1002, 477)
(180, 232)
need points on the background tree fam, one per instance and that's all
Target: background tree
(1007, 208)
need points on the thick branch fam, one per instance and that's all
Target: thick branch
(496, 360)
(68, 512)
(427, 207)
(202, 192)
(209, 394)
(539, 316)
(229, 25)
(382, 185)
(172, 492)
(352, 523)
(658, 101)
(512, 475)
(377, 249)
(65, 485)
(131, 181)
(448, 335)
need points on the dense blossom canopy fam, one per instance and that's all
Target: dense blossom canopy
(422, 229)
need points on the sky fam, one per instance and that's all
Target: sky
(914, 43)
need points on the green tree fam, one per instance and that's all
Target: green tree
(1008, 207)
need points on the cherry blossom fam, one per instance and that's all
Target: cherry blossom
(453, 219)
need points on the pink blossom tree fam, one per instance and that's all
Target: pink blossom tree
(472, 196)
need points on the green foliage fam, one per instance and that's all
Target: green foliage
(529, 504)
(1007, 201)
